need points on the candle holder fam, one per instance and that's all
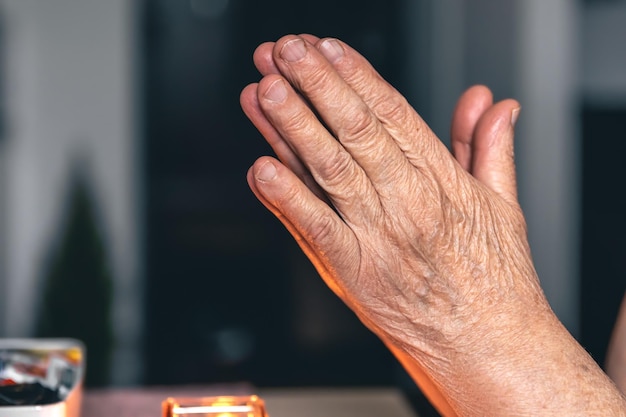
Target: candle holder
(222, 406)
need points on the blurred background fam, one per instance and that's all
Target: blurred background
(126, 221)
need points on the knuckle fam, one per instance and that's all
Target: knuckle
(394, 108)
(297, 122)
(315, 82)
(338, 170)
(321, 228)
(360, 125)
(289, 196)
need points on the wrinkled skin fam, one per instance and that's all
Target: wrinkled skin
(428, 247)
(616, 352)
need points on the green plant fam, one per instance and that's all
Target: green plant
(78, 286)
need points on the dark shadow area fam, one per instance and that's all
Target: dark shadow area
(603, 224)
(229, 296)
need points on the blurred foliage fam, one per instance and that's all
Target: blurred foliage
(78, 286)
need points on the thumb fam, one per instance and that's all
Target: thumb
(493, 161)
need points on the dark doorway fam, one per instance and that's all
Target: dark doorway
(227, 291)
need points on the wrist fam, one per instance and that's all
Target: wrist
(531, 366)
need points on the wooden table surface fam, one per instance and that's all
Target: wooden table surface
(344, 402)
(280, 402)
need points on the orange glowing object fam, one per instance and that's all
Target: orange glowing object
(224, 406)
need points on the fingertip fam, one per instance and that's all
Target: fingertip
(470, 107)
(331, 48)
(249, 101)
(259, 176)
(493, 153)
(248, 95)
(497, 122)
(273, 88)
(265, 170)
(284, 39)
(476, 96)
(263, 55)
(253, 184)
(481, 90)
(515, 115)
(256, 189)
(279, 50)
(264, 60)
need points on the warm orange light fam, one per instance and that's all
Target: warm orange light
(223, 406)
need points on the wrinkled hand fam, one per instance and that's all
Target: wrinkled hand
(428, 248)
(410, 239)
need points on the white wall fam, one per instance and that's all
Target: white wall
(548, 146)
(70, 91)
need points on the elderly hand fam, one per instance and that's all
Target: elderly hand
(427, 248)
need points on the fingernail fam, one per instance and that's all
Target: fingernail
(266, 172)
(515, 116)
(276, 92)
(293, 50)
(332, 50)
